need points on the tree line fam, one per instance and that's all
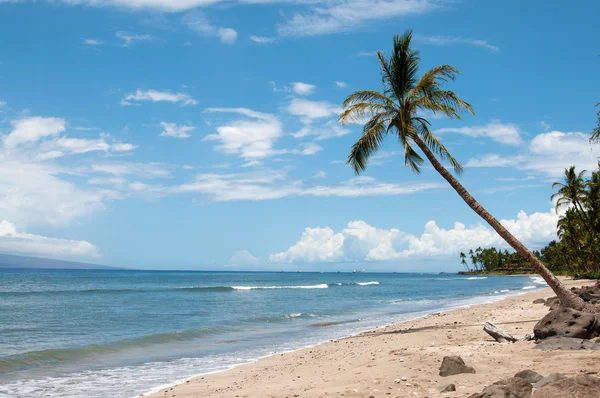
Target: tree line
(577, 249)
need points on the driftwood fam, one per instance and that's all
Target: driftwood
(498, 334)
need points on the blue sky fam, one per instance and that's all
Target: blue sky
(198, 134)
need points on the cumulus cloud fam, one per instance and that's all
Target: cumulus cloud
(311, 110)
(157, 96)
(198, 22)
(174, 130)
(12, 241)
(360, 241)
(452, 40)
(508, 134)
(300, 88)
(341, 84)
(548, 154)
(243, 258)
(251, 138)
(32, 192)
(32, 129)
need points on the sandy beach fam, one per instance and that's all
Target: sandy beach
(401, 360)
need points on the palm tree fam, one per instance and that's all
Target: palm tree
(573, 192)
(398, 110)
(463, 261)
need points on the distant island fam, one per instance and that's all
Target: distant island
(23, 262)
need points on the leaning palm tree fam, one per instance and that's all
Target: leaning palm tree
(398, 109)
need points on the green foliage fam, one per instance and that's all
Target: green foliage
(596, 133)
(577, 251)
(396, 110)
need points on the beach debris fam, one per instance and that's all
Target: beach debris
(539, 301)
(404, 378)
(515, 387)
(529, 376)
(448, 388)
(582, 386)
(397, 381)
(551, 378)
(568, 322)
(453, 365)
(528, 337)
(498, 334)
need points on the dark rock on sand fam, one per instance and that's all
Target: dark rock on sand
(568, 322)
(515, 387)
(448, 388)
(454, 365)
(582, 386)
(551, 378)
(566, 343)
(529, 376)
(539, 301)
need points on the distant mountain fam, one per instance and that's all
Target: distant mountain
(12, 261)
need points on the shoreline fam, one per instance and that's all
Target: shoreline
(219, 383)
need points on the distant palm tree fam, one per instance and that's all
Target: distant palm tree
(463, 261)
(399, 109)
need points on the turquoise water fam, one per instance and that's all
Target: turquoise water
(66, 333)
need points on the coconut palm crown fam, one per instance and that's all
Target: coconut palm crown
(399, 109)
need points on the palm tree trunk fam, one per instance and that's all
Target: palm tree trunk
(566, 297)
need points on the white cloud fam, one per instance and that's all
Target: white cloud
(360, 241)
(251, 138)
(303, 88)
(341, 84)
(326, 17)
(64, 146)
(548, 154)
(227, 35)
(320, 174)
(142, 170)
(452, 40)
(129, 39)
(91, 42)
(12, 241)
(33, 192)
(243, 258)
(198, 22)
(2, 103)
(503, 133)
(262, 39)
(269, 184)
(331, 129)
(545, 125)
(366, 54)
(310, 110)
(157, 96)
(173, 130)
(32, 129)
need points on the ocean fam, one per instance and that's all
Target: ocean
(116, 334)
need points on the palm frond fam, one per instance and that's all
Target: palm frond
(432, 80)
(374, 133)
(436, 146)
(444, 101)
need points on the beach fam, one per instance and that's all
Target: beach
(401, 360)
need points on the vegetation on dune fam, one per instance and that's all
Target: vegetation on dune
(399, 110)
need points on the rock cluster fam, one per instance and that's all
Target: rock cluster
(554, 385)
